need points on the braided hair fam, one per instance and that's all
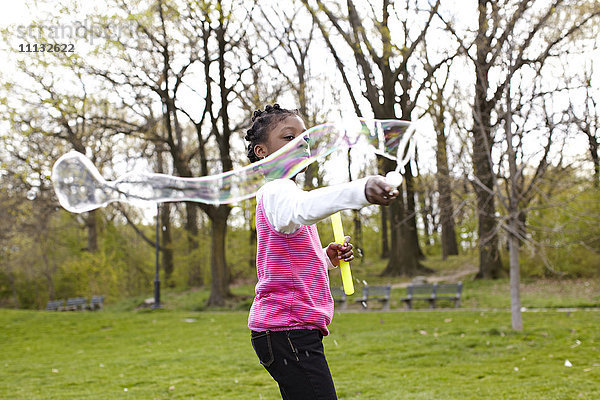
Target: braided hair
(262, 121)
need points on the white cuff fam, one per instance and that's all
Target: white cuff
(329, 263)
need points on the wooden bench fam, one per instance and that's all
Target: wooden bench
(377, 293)
(55, 305)
(339, 297)
(76, 303)
(97, 303)
(432, 293)
(449, 291)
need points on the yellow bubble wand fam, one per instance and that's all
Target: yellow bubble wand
(338, 234)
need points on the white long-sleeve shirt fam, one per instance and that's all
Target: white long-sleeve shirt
(288, 207)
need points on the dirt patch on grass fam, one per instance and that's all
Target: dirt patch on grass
(446, 277)
(575, 288)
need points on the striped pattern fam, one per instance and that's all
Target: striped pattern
(293, 286)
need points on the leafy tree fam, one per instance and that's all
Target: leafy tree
(179, 49)
(392, 80)
(440, 111)
(586, 117)
(527, 30)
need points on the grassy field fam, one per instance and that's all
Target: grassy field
(186, 352)
(165, 354)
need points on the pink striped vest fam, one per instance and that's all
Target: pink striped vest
(293, 285)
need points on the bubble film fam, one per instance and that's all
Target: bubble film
(80, 187)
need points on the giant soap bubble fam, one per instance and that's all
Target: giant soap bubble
(80, 187)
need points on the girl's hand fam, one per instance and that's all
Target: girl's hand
(379, 192)
(337, 252)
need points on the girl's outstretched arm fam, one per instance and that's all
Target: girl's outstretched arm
(288, 207)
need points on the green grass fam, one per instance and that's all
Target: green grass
(185, 351)
(166, 354)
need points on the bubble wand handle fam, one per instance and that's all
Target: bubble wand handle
(338, 234)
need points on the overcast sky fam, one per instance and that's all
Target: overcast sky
(22, 12)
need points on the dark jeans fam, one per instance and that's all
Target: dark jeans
(296, 360)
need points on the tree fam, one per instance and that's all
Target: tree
(393, 77)
(518, 194)
(586, 118)
(191, 39)
(439, 112)
(50, 120)
(527, 27)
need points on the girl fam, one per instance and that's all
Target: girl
(293, 303)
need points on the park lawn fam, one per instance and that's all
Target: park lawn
(166, 354)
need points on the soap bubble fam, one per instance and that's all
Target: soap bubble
(80, 187)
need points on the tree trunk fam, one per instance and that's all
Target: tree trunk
(219, 289)
(91, 223)
(13, 288)
(490, 265)
(513, 210)
(358, 235)
(357, 239)
(593, 145)
(48, 274)
(309, 176)
(402, 259)
(385, 246)
(195, 276)
(411, 225)
(385, 217)
(449, 245)
(425, 212)
(165, 223)
(515, 282)
(166, 244)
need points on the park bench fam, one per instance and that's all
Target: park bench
(75, 303)
(97, 303)
(54, 305)
(339, 297)
(432, 293)
(377, 293)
